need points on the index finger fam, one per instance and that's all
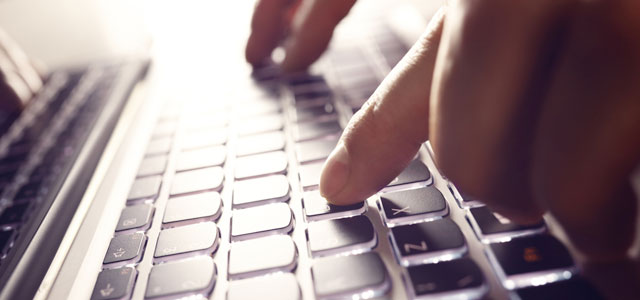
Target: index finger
(268, 27)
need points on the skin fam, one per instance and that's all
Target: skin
(530, 106)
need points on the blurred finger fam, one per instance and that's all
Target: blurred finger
(21, 62)
(383, 137)
(268, 27)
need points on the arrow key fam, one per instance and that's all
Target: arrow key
(125, 249)
(114, 283)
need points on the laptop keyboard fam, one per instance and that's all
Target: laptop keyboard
(226, 205)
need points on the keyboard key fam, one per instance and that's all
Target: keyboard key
(280, 286)
(145, 188)
(410, 206)
(359, 276)
(310, 175)
(574, 288)
(5, 239)
(201, 158)
(136, 216)
(152, 165)
(125, 248)
(523, 261)
(184, 277)
(262, 190)
(260, 221)
(464, 201)
(331, 237)
(314, 130)
(492, 227)
(199, 238)
(205, 121)
(416, 171)
(261, 164)
(257, 108)
(207, 179)
(319, 112)
(114, 283)
(204, 138)
(261, 256)
(260, 124)
(30, 191)
(315, 150)
(159, 146)
(461, 278)
(260, 143)
(14, 214)
(193, 208)
(317, 208)
(428, 242)
(164, 129)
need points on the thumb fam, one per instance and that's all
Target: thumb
(383, 137)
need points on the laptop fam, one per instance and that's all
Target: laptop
(180, 172)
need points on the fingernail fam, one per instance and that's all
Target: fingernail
(335, 172)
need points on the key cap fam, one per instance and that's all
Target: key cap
(359, 276)
(310, 175)
(207, 179)
(114, 284)
(152, 165)
(317, 208)
(319, 112)
(261, 221)
(202, 121)
(165, 129)
(574, 288)
(193, 208)
(145, 188)
(416, 171)
(524, 261)
(315, 149)
(331, 237)
(260, 143)
(136, 216)
(262, 190)
(181, 278)
(5, 239)
(257, 107)
(410, 206)
(460, 277)
(464, 201)
(14, 214)
(313, 130)
(125, 248)
(492, 227)
(280, 286)
(159, 146)
(260, 124)
(428, 242)
(261, 164)
(261, 256)
(201, 158)
(30, 191)
(199, 238)
(204, 138)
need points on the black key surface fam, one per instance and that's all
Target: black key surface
(152, 165)
(315, 149)
(261, 256)
(428, 242)
(412, 205)
(340, 235)
(531, 254)
(5, 239)
(489, 223)
(416, 171)
(574, 288)
(145, 188)
(114, 283)
(192, 207)
(313, 130)
(462, 275)
(189, 276)
(279, 286)
(125, 248)
(317, 208)
(14, 214)
(136, 216)
(199, 237)
(350, 276)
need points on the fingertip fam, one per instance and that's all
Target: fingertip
(335, 174)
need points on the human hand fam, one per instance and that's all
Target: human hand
(530, 106)
(19, 79)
